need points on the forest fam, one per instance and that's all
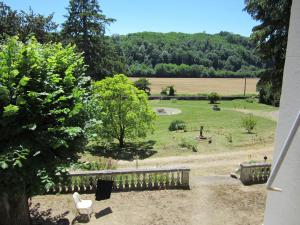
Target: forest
(152, 54)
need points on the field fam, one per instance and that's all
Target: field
(224, 86)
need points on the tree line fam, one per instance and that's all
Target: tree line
(189, 55)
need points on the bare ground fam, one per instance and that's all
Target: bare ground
(224, 86)
(214, 198)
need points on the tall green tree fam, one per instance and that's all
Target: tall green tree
(42, 90)
(25, 23)
(123, 109)
(270, 38)
(85, 26)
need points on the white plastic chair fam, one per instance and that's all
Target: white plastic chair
(83, 206)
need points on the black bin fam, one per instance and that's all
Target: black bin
(104, 188)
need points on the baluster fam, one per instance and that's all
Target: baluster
(155, 181)
(121, 183)
(75, 184)
(115, 187)
(172, 179)
(178, 180)
(150, 185)
(126, 182)
(167, 179)
(138, 181)
(132, 183)
(144, 183)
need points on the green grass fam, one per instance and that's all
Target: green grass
(217, 125)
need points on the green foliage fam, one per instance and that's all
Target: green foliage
(189, 144)
(123, 109)
(168, 91)
(85, 27)
(213, 97)
(42, 89)
(177, 125)
(249, 123)
(143, 84)
(270, 38)
(25, 24)
(189, 55)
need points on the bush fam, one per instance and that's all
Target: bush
(189, 144)
(168, 91)
(177, 125)
(143, 84)
(250, 100)
(249, 123)
(213, 97)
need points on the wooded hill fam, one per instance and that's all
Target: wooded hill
(188, 55)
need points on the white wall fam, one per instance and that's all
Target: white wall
(283, 208)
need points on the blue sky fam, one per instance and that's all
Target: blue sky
(189, 16)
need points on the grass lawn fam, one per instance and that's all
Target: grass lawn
(218, 125)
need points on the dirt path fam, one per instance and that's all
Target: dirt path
(206, 164)
(273, 115)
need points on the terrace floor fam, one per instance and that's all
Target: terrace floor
(212, 200)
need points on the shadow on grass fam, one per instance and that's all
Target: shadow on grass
(128, 152)
(39, 217)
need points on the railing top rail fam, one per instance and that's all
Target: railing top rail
(251, 165)
(126, 171)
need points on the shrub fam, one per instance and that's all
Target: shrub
(189, 144)
(229, 138)
(249, 123)
(169, 91)
(172, 90)
(143, 84)
(213, 97)
(177, 125)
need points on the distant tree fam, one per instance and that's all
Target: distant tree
(270, 38)
(9, 21)
(85, 26)
(143, 84)
(124, 110)
(42, 89)
(213, 97)
(42, 27)
(24, 24)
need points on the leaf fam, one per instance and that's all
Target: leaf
(10, 110)
(3, 165)
(23, 82)
(37, 153)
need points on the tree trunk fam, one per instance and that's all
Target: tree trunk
(14, 210)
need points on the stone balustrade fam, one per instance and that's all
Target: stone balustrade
(254, 173)
(125, 180)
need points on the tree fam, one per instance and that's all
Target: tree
(42, 89)
(25, 24)
(85, 27)
(270, 38)
(213, 97)
(143, 84)
(123, 109)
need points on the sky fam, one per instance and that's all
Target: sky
(188, 16)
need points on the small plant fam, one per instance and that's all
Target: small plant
(213, 97)
(249, 123)
(250, 100)
(229, 138)
(189, 144)
(177, 125)
(172, 90)
(164, 91)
